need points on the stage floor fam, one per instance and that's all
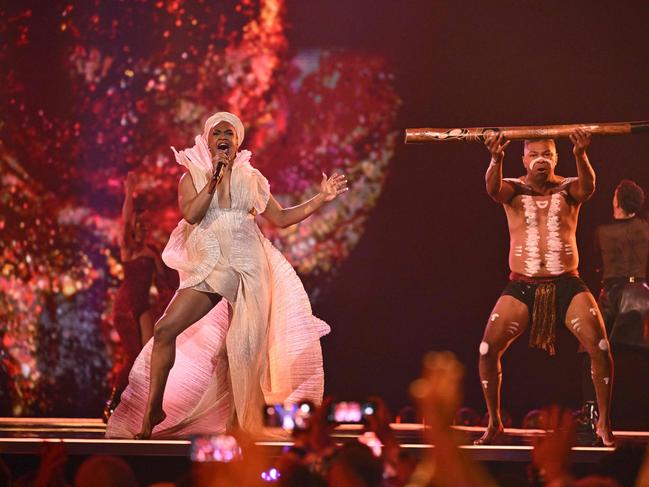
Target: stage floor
(85, 436)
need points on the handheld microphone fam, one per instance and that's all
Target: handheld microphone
(223, 147)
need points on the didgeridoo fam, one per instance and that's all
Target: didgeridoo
(478, 134)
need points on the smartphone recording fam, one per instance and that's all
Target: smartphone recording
(289, 417)
(220, 448)
(350, 412)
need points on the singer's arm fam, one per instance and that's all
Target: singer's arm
(285, 217)
(193, 205)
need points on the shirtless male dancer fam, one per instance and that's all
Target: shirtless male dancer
(542, 209)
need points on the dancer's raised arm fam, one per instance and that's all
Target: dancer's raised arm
(496, 189)
(584, 187)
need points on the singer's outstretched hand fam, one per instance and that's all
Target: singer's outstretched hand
(333, 186)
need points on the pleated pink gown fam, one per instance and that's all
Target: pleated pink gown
(260, 344)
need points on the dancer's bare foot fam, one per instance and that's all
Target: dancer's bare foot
(149, 422)
(605, 434)
(490, 434)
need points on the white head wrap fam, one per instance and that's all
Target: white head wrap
(231, 118)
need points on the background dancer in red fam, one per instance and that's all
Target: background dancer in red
(133, 316)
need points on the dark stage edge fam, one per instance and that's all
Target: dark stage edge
(84, 436)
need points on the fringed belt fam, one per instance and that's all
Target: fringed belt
(544, 312)
(544, 317)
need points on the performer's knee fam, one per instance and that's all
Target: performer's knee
(603, 345)
(487, 351)
(598, 347)
(492, 348)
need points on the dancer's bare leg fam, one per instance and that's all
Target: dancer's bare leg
(508, 320)
(186, 307)
(584, 320)
(146, 326)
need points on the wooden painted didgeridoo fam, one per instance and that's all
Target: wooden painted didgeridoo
(478, 134)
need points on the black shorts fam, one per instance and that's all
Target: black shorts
(567, 287)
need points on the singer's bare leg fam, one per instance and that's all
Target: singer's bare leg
(186, 307)
(508, 320)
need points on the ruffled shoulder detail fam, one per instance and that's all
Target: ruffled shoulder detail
(263, 192)
(197, 159)
(261, 187)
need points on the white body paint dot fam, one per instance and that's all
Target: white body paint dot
(484, 348)
(603, 345)
(494, 317)
(485, 383)
(593, 311)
